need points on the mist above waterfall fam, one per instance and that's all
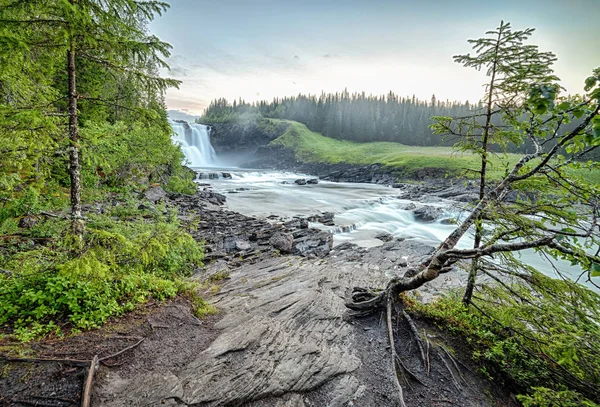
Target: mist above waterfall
(194, 140)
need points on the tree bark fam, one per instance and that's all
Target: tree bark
(77, 224)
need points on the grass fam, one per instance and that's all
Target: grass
(310, 146)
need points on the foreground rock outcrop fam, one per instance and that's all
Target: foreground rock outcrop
(284, 339)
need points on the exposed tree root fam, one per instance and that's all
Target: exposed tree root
(394, 354)
(428, 367)
(454, 362)
(101, 360)
(417, 336)
(443, 359)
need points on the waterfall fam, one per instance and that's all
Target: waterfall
(194, 140)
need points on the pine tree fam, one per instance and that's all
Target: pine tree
(107, 35)
(513, 68)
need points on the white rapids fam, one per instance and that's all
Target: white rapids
(361, 211)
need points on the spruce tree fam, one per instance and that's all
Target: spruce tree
(106, 35)
(513, 67)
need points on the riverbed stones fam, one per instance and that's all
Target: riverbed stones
(300, 181)
(317, 244)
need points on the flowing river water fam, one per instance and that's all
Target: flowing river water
(361, 211)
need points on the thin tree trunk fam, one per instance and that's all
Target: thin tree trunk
(77, 224)
(482, 177)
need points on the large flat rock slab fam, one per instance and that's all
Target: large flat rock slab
(284, 339)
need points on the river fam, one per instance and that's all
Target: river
(361, 211)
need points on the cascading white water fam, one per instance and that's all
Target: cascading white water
(194, 140)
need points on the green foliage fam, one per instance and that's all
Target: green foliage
(121, 264)
(543, 397)
(48, 279)
(537, 335)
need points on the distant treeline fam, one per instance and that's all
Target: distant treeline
(361, 118)
(356, 117)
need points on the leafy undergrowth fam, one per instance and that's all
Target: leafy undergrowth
(51, 283)
(310, 146)
(542, 344)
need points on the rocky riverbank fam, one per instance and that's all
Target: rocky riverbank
(283, 336)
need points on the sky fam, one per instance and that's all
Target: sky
(261, 49)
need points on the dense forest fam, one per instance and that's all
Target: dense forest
(83, 133)
(363, 118)
(356, 117)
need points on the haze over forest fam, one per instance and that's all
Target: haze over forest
(265, 49)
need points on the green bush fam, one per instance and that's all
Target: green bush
(533, 341)
(121, 264)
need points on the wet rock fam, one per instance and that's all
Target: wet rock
(312, 181)
(155, 194)
(315, 245)
(326, 218)
(384, 237)
(408, 207)
(428, 213)
(212, 197)
(226, 175)
(297, 223)
(300, 181)
(282, 242)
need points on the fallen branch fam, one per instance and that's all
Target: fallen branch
(121, 351)
(87, 389)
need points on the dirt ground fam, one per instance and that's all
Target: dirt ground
(158, 336)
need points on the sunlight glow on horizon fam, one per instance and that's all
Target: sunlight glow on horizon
(238, 50)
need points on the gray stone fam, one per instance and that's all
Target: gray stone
(300, 181)
(28, 221)
(428, 213)
(384, 237)
(155, 194)
(242, 245)
(314, 245)
(312, 181)
(282, 242)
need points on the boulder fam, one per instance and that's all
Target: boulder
(318, 244)
(312, 181)
(428, 213)
(236, 244)
(282, 242)
(226, 175)
(300, 181)
(155, 194)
